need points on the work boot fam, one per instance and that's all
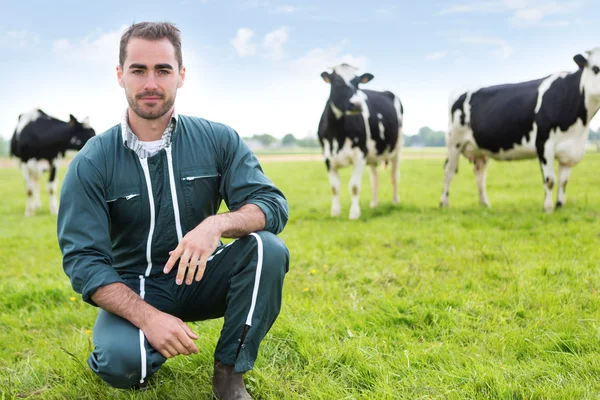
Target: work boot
(228, 385)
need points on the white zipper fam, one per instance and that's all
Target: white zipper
(128, 197)
(174, 194)
(191, 178)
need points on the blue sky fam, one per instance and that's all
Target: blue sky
(255, 64)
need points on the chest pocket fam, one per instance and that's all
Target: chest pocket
(200, 188)
(124, 206)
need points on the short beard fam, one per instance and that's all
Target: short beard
(150, 114)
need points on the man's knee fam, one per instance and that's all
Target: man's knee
(121, 366)
(276, 255)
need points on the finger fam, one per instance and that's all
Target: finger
(180, 347)
(192, 268)
(165, 353)
(174, 255)
(183, 265)
(170, 350)
(190, 346)
(201, 266)
(189, 331)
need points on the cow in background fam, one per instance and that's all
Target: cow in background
(547, 118)
(359, 127)
(39, 139)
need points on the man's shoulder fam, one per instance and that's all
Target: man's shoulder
(97, 147)
(205, 125)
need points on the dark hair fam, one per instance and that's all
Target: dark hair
(152, 31)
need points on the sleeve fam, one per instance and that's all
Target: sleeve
(83, 229)
(244, 182)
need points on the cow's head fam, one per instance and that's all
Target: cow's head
(590, 77)
(80, 132)
(345, 97)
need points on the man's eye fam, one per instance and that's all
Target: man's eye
(164, 72)
(137, 72)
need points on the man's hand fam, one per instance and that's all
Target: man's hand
(194, 249)
(169, 335)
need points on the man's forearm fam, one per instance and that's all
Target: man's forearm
(118, 299)
(247, 219)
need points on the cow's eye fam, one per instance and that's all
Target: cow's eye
(596, 69)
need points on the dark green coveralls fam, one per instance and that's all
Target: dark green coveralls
(120, 215)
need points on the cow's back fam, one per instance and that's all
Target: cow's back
(384, 120)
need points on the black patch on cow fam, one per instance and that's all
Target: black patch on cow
(459, 104)
(352, 127)
(501, 116)
(562, 105)
(52, 173)
(47, 137)
(328, 165)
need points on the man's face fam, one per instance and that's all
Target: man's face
(150, 76)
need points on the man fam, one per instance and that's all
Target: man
(140, 235)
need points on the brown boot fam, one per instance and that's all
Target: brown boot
(228, 385)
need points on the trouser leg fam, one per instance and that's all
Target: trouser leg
(122, 356)
(243, 282)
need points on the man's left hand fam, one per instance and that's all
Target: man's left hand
(194, 250)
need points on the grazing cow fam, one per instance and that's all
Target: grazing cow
(40, 137)
(548, 118)
(359, 127)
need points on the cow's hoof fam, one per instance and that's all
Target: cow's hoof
(485, 204)
(354, 213)
(443, 204)
(559, 205)
(396, 200)
(374, 204)
(335, 212)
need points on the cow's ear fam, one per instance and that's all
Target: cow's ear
(72, 120)
(326, 77)
(364, 78)
(580, 60)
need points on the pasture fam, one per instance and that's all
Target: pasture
(409, 302)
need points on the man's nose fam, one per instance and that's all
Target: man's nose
(150, 83)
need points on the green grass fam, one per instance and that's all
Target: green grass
(410, 302)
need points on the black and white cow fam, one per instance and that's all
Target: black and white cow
(548, 118)
(40, 138)
(359, 127)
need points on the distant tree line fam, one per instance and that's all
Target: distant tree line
(425, 137)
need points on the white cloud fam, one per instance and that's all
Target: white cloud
(318, 60)
(274, 41)
(101, 49)
(22, 38)
(501, 47)
(437, 55)
(523, 12)
(285, 9)
(243, 42)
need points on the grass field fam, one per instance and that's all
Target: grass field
(410, 302)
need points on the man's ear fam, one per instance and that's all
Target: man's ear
(120, 76)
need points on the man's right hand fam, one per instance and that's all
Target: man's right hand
(169, 335)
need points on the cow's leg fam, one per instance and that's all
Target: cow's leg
(355, 183)
(547, 164)
(449, 170)
(374, 186)
(52, 185)
(480, 168)
(334, 181)
(564, 172)
(30, 186)
(395, 172)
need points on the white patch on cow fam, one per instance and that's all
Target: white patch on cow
(569, 146)
(27, 118)
(32, 171)
(337, 113)
(590, 82)
(544, 86)
(381, 129)
(346, 72)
